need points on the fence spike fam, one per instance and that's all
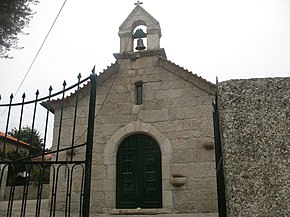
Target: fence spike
(64, 83)
(94, 69)
(36, 170)
(79, 76)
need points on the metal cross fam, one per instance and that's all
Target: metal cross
(138, 3)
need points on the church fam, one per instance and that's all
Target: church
(153, 150)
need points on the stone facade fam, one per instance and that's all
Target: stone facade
(176, 111)
(255, 127)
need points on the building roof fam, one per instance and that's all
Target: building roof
(15, 141)
(187, 75)
(103, 76)
(170, 66)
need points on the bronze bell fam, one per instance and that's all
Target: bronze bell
(140, 45)
(139, 34)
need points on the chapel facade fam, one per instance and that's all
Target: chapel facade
(153, 141)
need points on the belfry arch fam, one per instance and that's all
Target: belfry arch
(139, 16)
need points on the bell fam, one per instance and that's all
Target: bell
(140, 45)
(139, 34)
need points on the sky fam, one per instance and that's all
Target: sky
(228, 39)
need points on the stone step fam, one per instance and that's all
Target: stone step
(31, 204)
(160, 215)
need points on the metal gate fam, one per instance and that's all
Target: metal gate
(219, 161)
(19, 174)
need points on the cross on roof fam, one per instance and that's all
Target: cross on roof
(138, 3)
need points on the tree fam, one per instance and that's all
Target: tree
(31, 137)
(14, 16)
(36, 173)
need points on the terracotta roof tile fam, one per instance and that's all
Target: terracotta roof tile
(13, 139)
(211, 87)
(106, 73)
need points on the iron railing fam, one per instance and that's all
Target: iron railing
(36, 170)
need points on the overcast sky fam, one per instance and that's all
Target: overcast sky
(224, 38)
(231, 39)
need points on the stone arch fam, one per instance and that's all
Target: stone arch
(138, 23)
(110, 155)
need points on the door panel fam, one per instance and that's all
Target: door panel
(127, 174)
(139, 173)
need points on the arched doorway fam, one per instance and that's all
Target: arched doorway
(139, 182)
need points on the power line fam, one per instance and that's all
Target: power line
(40, 48)
(35, 57)
(97, 113)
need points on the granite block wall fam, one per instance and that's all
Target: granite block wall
(255, 132)
(176, 112)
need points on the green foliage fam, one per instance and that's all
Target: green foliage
(40, 173)
(14, 16)
(14, 155)
(31, 137)
(11, 154)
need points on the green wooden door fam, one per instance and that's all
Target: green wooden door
(139, 173)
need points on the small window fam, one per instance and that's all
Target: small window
(139, 92)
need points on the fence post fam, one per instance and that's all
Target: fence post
(222, 209)
(89, 146)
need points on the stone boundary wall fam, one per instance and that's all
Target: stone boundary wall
(255, 132)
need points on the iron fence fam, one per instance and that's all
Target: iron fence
(219, 161)
(19, 174)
